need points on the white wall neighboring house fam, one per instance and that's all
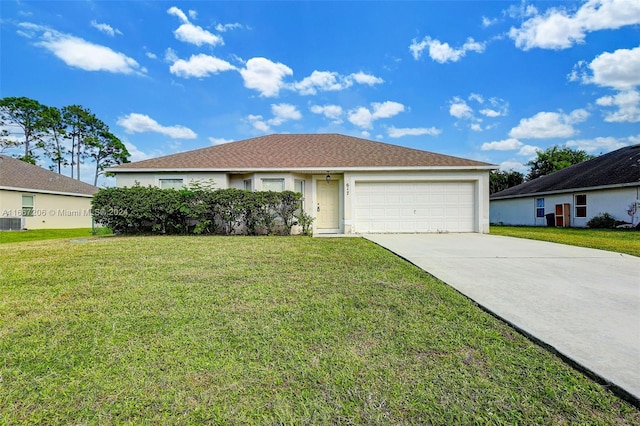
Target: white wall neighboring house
(371, 187)
(34, 198)
(609, 183)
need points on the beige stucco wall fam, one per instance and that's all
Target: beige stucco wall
(50, 211)
(220, 180)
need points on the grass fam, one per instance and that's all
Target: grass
(48, 234)
(271, 330)
(617, 240)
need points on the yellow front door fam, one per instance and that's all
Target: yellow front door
(328, 204)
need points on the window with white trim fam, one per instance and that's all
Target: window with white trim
(27, 205)
(247, 185)
(276, 185)
(539, 207)
(581, 205)
(171, 183)
(298, 186)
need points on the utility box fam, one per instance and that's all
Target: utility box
(562, 214)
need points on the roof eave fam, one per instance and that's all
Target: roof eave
(323, 169)
(561, 191)
(46, 191)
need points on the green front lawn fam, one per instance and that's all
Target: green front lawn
(48, 234)
(618, 240)
(238, 330)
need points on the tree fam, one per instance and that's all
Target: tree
(81, 125)
(55, 129)
(499, 180)
(6, 141)
(26, 114)
(106, 150)
(554, 159)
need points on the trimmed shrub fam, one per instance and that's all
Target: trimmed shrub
(198, 210)
(603, 220)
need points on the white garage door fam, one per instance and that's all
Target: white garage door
(414, 207)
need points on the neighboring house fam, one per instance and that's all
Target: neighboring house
(34, 198)
(350, 185)
(609, 183)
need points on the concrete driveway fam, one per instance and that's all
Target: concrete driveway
(585, 303)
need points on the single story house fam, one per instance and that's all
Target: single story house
(609, 183)
(350, 185)
(35, 198)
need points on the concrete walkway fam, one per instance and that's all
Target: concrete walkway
(584, 303)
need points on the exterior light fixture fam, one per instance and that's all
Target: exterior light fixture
(328, 178)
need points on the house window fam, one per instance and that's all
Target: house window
(247, 185)
(27, 205)
(539, 207)
(581, 205)
(276, 185)
(298, 186)
(171, 183)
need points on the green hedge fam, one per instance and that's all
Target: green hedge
(149, 209)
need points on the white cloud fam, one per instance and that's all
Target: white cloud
(476, 97)
(513, 165)
(139, 123)
(227, 27)
(170, 55)
(179, 13)
(619, 70)
(265, 76)
(151, 55)
(458, 108)
(105, 28)
(476, 127)
(325, 81)
(193, 14)
(558, 28)
(194, 34)
(442, 52)
(136, 154)
(321, 80)
(601, 144)
(395, 132)
(504, 145)
(363, 78)
(333, 112)
(190, 33)
(219, 141)
(487, 22)
(488, 112)
(363, 117)
(258, 123)
(529, 151)
(549, 125)
(82, 54)
(283, 112)
(199, 66)
(628, 104)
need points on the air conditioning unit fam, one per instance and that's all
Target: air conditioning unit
(11, 224)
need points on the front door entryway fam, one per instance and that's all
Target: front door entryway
(328, 205)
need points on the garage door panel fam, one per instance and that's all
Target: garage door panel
(414, 207)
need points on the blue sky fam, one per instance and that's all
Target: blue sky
(486, 80)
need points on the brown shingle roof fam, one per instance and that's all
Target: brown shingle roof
(299, 151)
(18, 174)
